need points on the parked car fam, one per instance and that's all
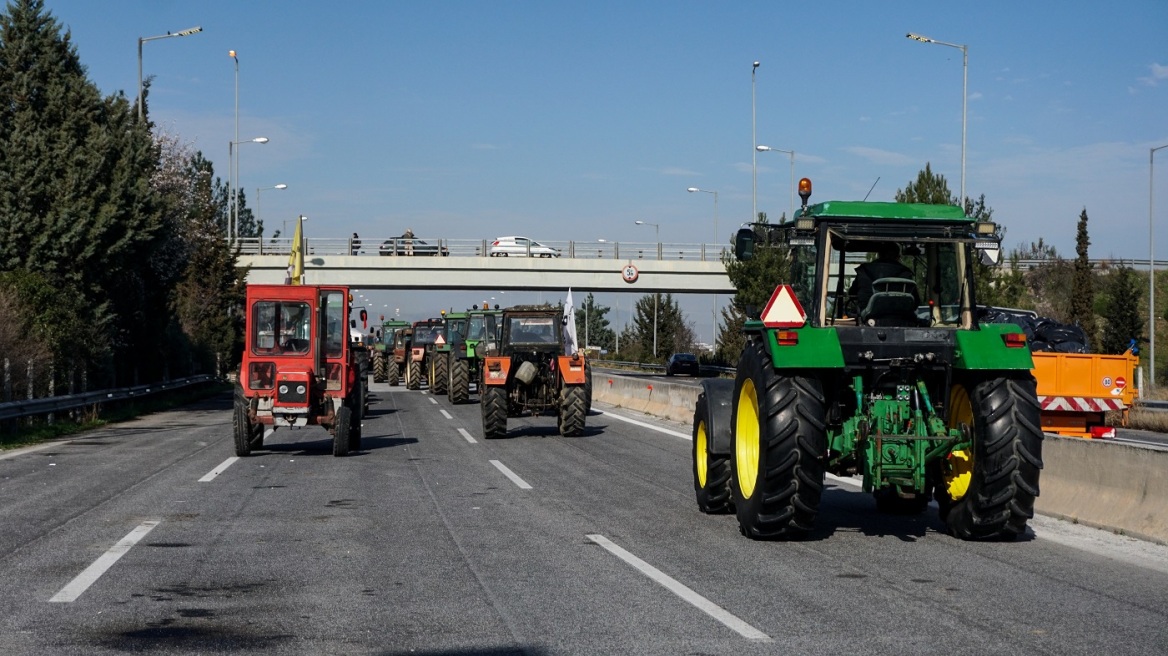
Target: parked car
(682, 363)
(520, 247)
(411, 246)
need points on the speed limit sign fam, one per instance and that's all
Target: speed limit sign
(630, 273)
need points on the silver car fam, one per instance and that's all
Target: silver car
(521, 247)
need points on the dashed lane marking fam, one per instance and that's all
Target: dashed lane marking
(218, 470)
(77, 586)
(469, 438)
(511, 475)
(446, 414)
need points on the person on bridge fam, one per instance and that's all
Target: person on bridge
(356, 244)
(408, 239)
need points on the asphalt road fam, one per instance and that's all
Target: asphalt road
(432, 540)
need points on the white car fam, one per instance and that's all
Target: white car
(520, 247)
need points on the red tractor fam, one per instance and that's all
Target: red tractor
(299, 367)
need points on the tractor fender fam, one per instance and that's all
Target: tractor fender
(571, 367)
(720, 400)
(496, 370)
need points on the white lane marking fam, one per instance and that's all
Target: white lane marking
(446, 414)
(468, 436)
(1159, 446)
(433, 400)
(218, 470)
(643, 424)
(511, 475)
(851, 482)
(425, 392)
(686, 593)
(81, 583)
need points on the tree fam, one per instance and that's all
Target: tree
(76, 205)
(674, 333)
(1123, 323)
(930, 188)
(754, 281)
(1083, 283)
(592, 325)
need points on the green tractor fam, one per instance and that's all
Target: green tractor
(467, 348)
(877, 368)
(385, 367)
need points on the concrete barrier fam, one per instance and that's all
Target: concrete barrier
(1110, 486)
(1116, 487)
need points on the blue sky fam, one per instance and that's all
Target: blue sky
(572, 120)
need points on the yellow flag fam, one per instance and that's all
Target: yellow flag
(296, 259)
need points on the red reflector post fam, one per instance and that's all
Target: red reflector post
(787, 338)
(1103, 432)
(1015, 340)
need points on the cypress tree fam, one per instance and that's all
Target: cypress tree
(1083, 283)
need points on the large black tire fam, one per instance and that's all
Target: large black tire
(379, 367)
(392, 374)
(355, 434)
(242, 428)
(438, 373)
(587, 386)
(493, 401)
(459, 383)
(711, 472)
(989, 493)
(777, 449)
(344, 423)
(572, 410)
(414, 375)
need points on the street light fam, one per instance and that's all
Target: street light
(144, 39)
(716, 243)
(1151, 275)
(259, 217)
(768, 149)
(657, 227)
(964, 95)
(753, 154)
(231, 148)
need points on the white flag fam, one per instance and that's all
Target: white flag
(569, 321)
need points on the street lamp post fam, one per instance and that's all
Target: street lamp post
(714, 315)
(233, 156)
(259, 216)
(768, 149)
(964, 95)
(657, 227)
(1151, 274)
(144, 39)
(753, 154)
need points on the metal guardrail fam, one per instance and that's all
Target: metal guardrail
(423, 246)
(33, 407)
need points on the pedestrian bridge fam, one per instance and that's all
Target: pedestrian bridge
(465, 265)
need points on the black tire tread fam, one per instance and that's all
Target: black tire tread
(714, 497)
(414, 375)
(494, 409)
(241, 428)
(572, 410)
(379, 367)
(392, 373)
(459, 387)
(341, 427)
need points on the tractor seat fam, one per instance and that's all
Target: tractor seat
(894, 303)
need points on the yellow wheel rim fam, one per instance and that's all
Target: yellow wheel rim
(958, 467)
(746, 432)
(700, 453)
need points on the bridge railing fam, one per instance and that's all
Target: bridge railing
(429, 246)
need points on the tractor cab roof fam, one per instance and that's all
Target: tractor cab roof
(868, 211)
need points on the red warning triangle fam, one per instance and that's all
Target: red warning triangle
(439, 340)
(783, 310)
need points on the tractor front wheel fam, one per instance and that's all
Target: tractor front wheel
(988, 491)
(572, 410)
(342, 424)
(459, 383)
(494, 408)
(438, 373)
(393, 374)
(379, 367)
(242, 428)
(779, 440)
(711, 471)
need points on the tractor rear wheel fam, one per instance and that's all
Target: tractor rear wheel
(355, 434)
(988, 491)
(242, 428)
(414, 375)
(392, 374)
(379, 372)
(779, 440)
(438, 373)
(459, 382)
(494, 408)
(342, 424)
(711, 471)
(572, 410)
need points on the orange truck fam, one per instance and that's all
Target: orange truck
(1077, 390)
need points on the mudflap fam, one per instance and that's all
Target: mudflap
(720, 397)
